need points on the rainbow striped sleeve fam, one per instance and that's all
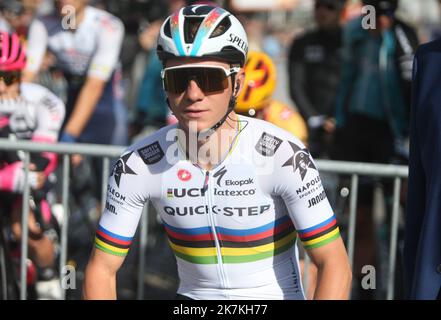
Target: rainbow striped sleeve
(197, 245)
(112, 243)
(320, 234)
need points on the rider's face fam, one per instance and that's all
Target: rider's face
(194, 106)
(9, 86)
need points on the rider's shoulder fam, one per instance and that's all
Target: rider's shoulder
(268, 135)
(152, 148)
(36, 93)
(106, 20)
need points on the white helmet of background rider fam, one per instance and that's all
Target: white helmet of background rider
(219, 35)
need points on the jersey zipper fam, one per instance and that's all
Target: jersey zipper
(207, 191)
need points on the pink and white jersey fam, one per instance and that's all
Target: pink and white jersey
(37, 115)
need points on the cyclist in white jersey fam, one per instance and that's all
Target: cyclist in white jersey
(29, 112)
(234, 193)
(86, 42)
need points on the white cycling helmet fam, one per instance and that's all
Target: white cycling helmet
(203, 31)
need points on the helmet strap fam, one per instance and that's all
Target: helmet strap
(204, 135)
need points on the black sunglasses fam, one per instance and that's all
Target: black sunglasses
(209, 78)
(9, 78)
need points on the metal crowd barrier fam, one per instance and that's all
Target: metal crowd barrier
(107, 152)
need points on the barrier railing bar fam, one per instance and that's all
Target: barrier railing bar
(342, 167)
(361, 169)
(96, 150)
(393, 239)
(64, 228)
(352, 217)
(24, 229)
(142, 249)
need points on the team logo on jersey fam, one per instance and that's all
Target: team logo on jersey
(152, 153)
(268, 145)
(121, 168)
(301, 160)
(184, 175)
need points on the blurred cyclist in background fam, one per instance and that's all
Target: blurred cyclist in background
(256, 98)
(86, 42)
(29, 112)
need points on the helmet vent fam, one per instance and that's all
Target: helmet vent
(167, 29)
(221, 28)
(191, 27)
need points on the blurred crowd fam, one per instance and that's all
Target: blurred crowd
(342, 87)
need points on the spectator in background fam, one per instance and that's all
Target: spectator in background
(314, 70)
(372, 106)
(422, 246)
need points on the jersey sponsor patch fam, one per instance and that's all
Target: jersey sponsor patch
(268, 145)
(152, 153)
(301, 160)
(184, 175)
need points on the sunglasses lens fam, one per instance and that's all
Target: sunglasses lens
(208, 79)
(9, 78)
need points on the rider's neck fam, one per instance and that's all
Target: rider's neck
(214, 149)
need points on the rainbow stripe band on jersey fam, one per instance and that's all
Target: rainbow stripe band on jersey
(320, 234)
(197, 245)
(112, 243)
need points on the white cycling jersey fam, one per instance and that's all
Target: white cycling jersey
(92, 49)
(233, 229)
(37, 115)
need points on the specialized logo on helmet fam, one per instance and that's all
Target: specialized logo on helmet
(238, 42)
(301, 160)
(121, 168)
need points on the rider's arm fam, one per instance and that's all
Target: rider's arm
(334, 272)
(101, 68)
(37, 45)
(297, 80)
(100, 276)
(127, 193)
(50, 116)
(299, 185)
